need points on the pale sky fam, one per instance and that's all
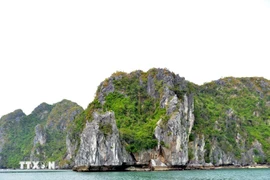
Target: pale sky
(62, 49)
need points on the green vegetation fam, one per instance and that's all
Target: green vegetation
(233, 112)
(106, 129)
(136, 113)
(19, 135)
(19, 140)
(230, 107)
(55, 147)
(79, 122)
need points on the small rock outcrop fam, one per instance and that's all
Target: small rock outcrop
(106, 87)
(42, 111)
(197, 151)
(100, 143)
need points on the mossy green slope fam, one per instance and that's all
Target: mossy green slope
(235, 112)
(19, 134)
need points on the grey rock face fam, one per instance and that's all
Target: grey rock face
(173, 136)
(42, 111)
(165, 76)
(151, 87)
(39, 139)
(146, 156)
(255, 153)
(40, 135)
(219, 157)
(162, 78)
(71, 148)
(173, 105)
(197, 150)
(105, 88)
(167, 95)
(100, 143)
(2, 139)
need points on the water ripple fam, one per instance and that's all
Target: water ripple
(226, 174)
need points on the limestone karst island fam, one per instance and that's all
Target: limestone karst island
(154, 120)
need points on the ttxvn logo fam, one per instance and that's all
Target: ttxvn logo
(36, 165)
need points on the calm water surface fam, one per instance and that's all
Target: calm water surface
(243, 174)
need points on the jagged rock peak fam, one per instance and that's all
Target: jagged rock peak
(62, 114)
(153, 80)
(259, 84)
(66, 101)
(42, 108)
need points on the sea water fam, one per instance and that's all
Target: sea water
(221, 174)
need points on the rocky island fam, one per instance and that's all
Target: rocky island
(154, 120)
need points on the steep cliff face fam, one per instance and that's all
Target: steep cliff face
(173, 134)
(40, 137)
(100, 143)
(39, 140)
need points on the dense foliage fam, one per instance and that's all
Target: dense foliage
(233, 108)
(19, 135)
(136, 112)
(19, 139)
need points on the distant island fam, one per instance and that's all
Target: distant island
(154, 120)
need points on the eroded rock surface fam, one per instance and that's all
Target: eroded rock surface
(100, 143)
